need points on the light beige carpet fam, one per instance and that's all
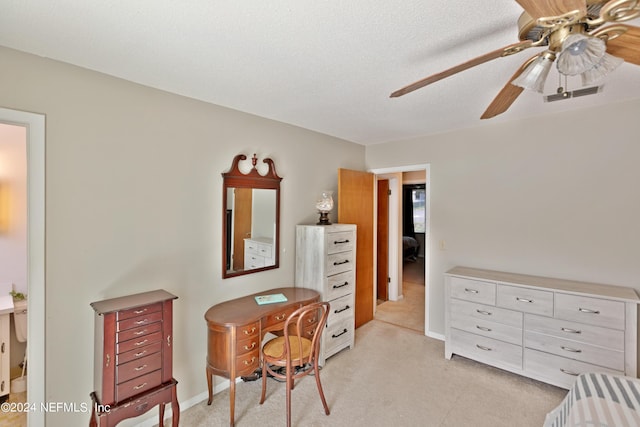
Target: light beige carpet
(407, 312)
(393, 377)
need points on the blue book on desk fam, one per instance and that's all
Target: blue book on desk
(270, 299)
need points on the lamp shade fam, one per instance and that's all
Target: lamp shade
(580, 53)
(607, 64)
(535, 74)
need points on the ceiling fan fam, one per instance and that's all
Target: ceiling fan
(571, 31)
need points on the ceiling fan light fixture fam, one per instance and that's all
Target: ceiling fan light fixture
(607, 64)
(535, 74)
(580, 53)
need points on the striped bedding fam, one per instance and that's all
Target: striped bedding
(599, 400)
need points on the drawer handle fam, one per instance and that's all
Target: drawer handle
(481, 347)
(249, 332)
(571, 331)
(524, 300)
(138, 387)
(253, 345)
(572, 350)
(482, 328)
(140, 311)
(142, 322)
(486, 313)
(346, 261)
(140, 368)
(140, 354)
(586, 310)
(341, 310)
(140, 332)
(340, 242)
(564, 371)
(142, 342)
(340, 286)
(249, 362)
(341, 333)
(470, 291)
(281, 317)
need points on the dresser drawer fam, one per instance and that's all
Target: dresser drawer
(338, 335)
(138, 385)
(136, 368)
(139, 311)
(486, 328)
(603, 337)
(138, 332)
(473, 290)
(594, 311)
(341, 241)
(525, 299)
(486, 350)
(138, 353)
(136, 322)
(340, 308)
(592, 354)
(558, 370)
(252, 261)
(339, 263)
(339, 285)
(138, 343)
(486, 312)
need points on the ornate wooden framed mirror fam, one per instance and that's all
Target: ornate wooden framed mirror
(251, 219)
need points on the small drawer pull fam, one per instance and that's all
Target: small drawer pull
(486, 313)
(571, 331)
(471, 291)
(572, 350)
(246, 332)
(341, 333)
(589, 311)
(281, 317)
(253, 345)
(481, 347)
(140, 368)
(346, 261)
(524, 300)
(340, 286)
(564, 371)
(140, 332)
(140, 354)
(482, 328)
(142, 342)
(142, 322)
(340, 242)
(138, 387)
(342, 309)
(249, 362)
(140, 311)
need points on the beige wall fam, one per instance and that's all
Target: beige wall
(553, 196)
(133, 203)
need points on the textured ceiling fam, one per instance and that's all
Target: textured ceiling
(328, 66)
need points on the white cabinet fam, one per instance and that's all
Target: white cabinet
(326, 262)
(5, 378)
(258, 253)
(547, 329)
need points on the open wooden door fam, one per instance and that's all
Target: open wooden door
(356, 206)
(382, 248)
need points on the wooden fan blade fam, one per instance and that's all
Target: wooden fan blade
(548, 8)
(626, 46)
(507, 95)
(507, 50)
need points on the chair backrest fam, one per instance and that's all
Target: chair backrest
(297, 325)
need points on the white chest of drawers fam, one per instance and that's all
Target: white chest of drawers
(325, 261)
(258, 252)
(547, 329)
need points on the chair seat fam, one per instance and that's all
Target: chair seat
(275, 347)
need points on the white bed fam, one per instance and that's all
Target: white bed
(599, 400)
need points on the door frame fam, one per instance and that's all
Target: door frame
(395, 287)
(35, 124)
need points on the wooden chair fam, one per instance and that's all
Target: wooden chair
(299, 348)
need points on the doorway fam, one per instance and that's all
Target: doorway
(408, 285)
(35, 144)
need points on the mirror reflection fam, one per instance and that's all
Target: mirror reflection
(251, 219)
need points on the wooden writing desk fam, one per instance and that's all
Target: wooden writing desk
(235, 332)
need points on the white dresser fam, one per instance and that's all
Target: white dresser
(258, 252)
(547, 329)
(326, 262)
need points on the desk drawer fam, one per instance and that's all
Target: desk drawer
(247, 344)
(136, 368)
(276, 320)
(594, 311)
(473, 290)
(248, 362)
(138, 385)
(525, 299)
